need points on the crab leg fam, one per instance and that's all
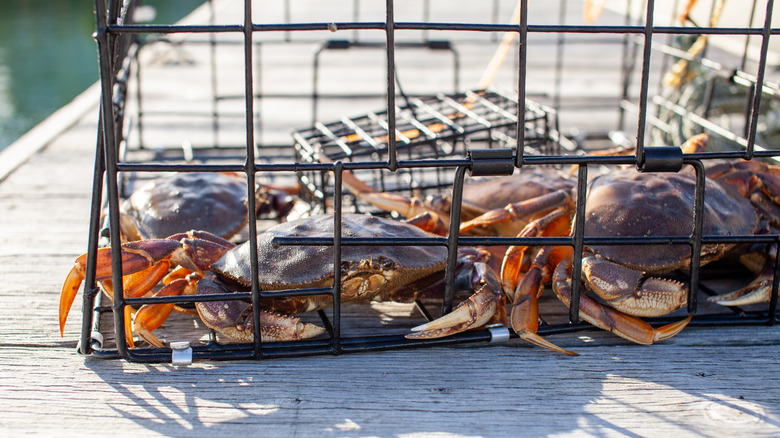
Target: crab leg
(484, 306)
(151, 316)
(144, 264)
(406, 207)
(518, 210)
(525, 289)
(555, 223)
(136, 256)
(606, 318)
(620, 287)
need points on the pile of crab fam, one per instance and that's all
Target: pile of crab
(621, 284)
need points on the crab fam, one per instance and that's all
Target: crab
(391, 272)
(628, 279)
(206, 201)
(495, 206)
(506, 197)
(759, 182)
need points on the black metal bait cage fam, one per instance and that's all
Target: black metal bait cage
(421, 143)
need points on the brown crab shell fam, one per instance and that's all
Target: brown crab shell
(634, 204)
(296, 266)
(208, 201)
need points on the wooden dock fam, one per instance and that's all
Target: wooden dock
(706, 381)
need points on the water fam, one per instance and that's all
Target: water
(48, 56)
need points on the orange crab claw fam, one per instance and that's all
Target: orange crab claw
(620, 287)
(757, 291)
(276, 327)
(273, 328)
(485, 306)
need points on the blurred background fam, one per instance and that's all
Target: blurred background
(48, 56)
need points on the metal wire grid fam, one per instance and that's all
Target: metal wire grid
(113, 32)
(428, 127)
(711, 97)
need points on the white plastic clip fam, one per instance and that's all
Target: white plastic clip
(498, 333)
(96, 341)
(181, 353)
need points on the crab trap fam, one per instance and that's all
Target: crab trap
(431, 154)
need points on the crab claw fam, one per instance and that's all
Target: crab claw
(476, 311)
(277, 328)
(619, 286)
(757, 291)
(606, 318)
(234, 318)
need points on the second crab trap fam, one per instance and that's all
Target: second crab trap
(423, 155)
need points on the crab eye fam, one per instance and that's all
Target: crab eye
(386, 263)
(345, 266)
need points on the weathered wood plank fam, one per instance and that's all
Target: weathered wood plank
(703, 382)
(495, 391)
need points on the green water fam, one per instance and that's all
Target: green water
(48, 56)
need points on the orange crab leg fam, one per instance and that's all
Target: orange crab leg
(430, 222)
(151, 316)
(139, 283)
(525, 307)
(518, 210)
(555, 223)
(136, 256)
(177, 273)
(525, 289)
(406, 207)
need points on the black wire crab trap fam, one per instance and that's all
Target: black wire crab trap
(561, 100)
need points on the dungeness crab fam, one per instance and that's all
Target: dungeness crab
(390, 272)
(508, 195)
(205, 201)
(628, 279)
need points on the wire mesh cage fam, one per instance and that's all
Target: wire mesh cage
(265, 96)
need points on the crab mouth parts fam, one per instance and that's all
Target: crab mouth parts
(244, 323)
(363, 285)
